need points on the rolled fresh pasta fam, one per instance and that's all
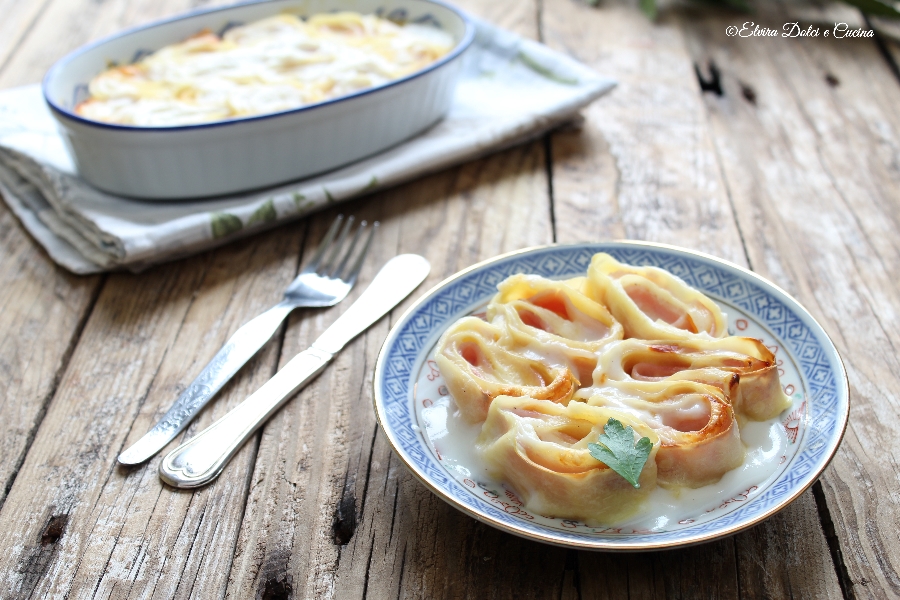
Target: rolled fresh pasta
(477, 368)
(699, 436)
(554, 361)
(540, 449)
(743, 368)
(552, 320)
(653, 304)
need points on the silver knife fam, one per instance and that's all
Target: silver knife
(317, 285)
(200, 460)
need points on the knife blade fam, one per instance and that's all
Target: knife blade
(199, 461)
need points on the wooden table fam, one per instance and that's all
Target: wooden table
(789, 164)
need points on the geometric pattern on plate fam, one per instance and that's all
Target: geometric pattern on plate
(786, 327)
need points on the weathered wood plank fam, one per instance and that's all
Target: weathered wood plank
(644, 166)
(42, 309)
(891, 48)
(18, 19)
(808, 136)
(332, 512)
(146, 338)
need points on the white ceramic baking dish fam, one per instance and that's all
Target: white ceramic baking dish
(222, 157)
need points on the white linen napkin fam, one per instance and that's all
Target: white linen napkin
(511, 89)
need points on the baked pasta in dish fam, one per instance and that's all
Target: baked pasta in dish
(267, 66)
(553, 365)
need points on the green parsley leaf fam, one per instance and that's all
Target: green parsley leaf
(618, 451)
(649, 8)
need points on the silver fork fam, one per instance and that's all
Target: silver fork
(326, 280)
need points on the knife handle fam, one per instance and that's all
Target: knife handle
(200, 460)
(240, 347)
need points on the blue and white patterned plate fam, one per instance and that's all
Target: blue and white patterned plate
(810, 368)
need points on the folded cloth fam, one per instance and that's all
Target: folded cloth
(511, 89)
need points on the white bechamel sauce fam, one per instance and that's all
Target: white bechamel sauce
(765, 442)
(455, 441)
(769, 450)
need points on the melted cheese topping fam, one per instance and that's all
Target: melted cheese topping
(267, 66)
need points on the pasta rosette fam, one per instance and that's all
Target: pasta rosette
(556, 363)
(699, 436)
(550, 319)
(477, 369)
(653, 304)
(743, 368)
(541, 450)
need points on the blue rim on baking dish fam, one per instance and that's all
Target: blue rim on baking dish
(61, 64)
(822, 421)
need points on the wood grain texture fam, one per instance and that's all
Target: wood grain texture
(645, 167)
(18, 18)
(42, 309)
(808, 136)
(318, 505)
(890, 49)
(331, 512)
(124, 532)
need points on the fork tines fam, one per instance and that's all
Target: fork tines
(331, 259)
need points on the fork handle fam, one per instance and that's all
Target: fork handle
(200, 460)
(240, 347)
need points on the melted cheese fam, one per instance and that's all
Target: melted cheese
(271, 65)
